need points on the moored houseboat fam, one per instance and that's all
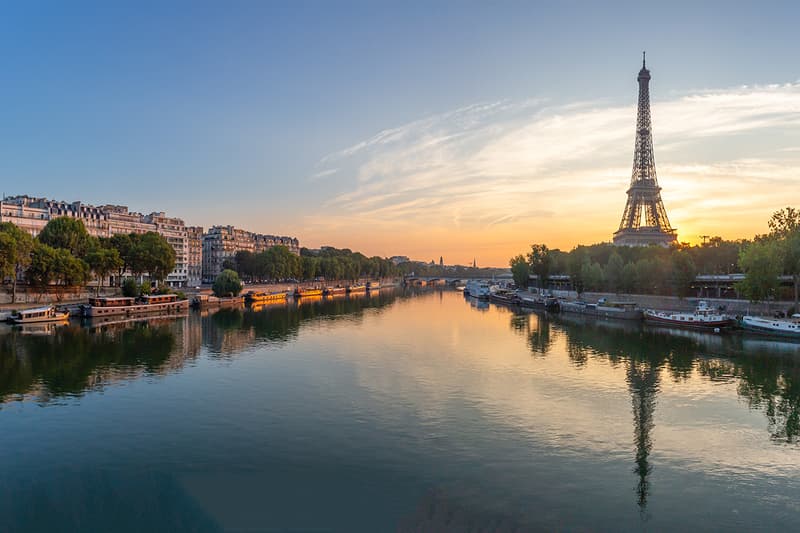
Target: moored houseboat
(126, 306)
(477, 289)
(334, 291)
(504, 296)
(603, 309)
(264, 297)
(314, 291)
(206, 301)
(776, 327)
(703, 317)
(356, 288)
(39, 314)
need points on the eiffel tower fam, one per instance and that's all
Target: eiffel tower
(644, 194)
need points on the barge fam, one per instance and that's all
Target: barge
(126, 306)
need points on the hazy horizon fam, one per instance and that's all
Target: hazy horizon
(456, 130)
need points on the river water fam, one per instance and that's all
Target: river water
(405, 411)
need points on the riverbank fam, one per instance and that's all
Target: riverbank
(673, 303)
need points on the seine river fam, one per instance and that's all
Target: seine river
(405, 411)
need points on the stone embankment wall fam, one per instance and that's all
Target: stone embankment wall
(29, 298)
(672, 303)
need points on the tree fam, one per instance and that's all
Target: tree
(683, 273)
(41, 271)
(103, 261)
(614, 272)
(68, 270)
(630, 278)
(790, 252)
(157, 256)
(124, 244)
(540, 260)
(227, 284)
(18, 248)
(66, 233)
(520, 270)
(784, 222)
(761, 263)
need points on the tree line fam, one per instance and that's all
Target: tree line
(63, 255)
(278, 263)
(671, 270)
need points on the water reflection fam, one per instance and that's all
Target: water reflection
(437, 390)
(767, 372)
(54, 360)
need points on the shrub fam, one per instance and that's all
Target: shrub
(227, 284)
(130, 288)
(145, 287)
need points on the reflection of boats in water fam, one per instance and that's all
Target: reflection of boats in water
(778, 327)
(480, 305)
(96, 322)
(41, 328)
(373, 286)
(256, 307)
(704, 317)
(39, 315)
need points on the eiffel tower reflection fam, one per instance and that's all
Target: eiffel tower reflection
(643, 384)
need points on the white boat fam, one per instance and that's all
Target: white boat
(703, 317)
(40, 314)
(781, 327)
(478, 289)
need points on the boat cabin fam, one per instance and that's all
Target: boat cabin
(159, 299)
(119, 301)
(37, 312)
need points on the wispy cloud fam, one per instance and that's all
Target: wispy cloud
(528, 164)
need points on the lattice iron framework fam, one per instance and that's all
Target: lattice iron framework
(644, 194)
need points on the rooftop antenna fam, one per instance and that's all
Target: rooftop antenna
(643, 53)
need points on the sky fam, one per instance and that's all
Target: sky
(456, 129)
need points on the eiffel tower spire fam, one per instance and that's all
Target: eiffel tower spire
(644, 194)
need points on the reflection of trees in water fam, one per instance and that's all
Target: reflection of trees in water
(229, 331)
(769, 380)
(74, 359)
(540, 339)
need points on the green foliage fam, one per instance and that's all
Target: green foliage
(17, 249)
(520, 270)
(66, 233)
(148, 253)
(761, 262)
(8, 255)
(614, 272)
(103, 261)
(683, 272)
(146, 287)
(540, 261)
(784, 222)
(130, 288)
(227, 284)
(41, 271)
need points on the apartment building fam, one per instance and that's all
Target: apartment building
(221, 243)
(33, 214)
